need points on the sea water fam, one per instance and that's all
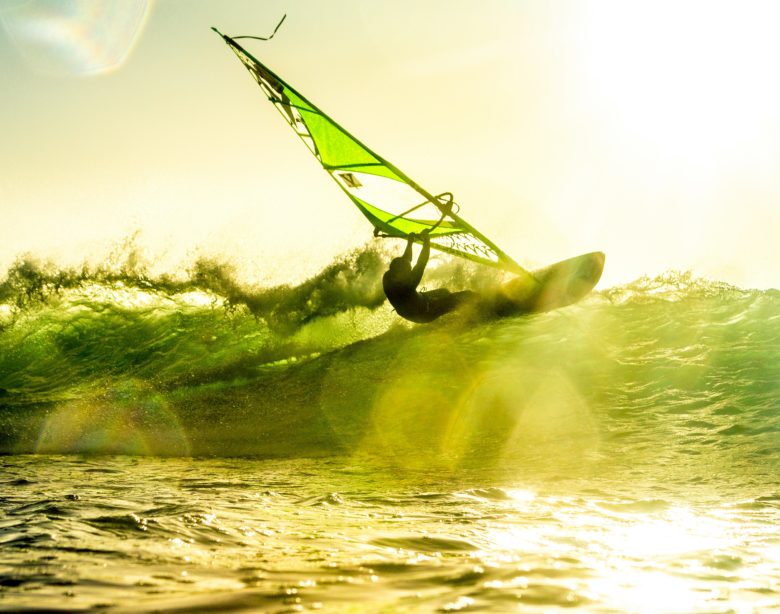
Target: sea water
(194, 446)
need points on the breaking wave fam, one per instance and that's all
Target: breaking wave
(111, 359)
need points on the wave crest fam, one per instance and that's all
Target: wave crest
(352, 280)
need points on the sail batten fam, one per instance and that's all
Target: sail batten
(391, 201)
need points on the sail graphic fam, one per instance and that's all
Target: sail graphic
(392, 202)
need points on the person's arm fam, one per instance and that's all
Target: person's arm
(407, 255)
(422, 260)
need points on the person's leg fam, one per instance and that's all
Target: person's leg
(463, 296)
(439, 293)
(443, 301)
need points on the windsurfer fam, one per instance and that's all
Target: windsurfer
(400, 284)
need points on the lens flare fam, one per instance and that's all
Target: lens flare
(127, 418)
(414, 416)
(75, 37)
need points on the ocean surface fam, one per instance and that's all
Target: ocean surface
(191, 444)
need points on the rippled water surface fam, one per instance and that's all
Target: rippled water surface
(139, 534)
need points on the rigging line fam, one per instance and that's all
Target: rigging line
(422, 204)
(444, 211)
(297, 106)
(449, 204)
(260, 38)
(331, 167)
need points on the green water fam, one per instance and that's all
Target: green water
(620, 455)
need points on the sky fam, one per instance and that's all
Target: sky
(647, 130)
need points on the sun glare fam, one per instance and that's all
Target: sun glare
(694, 79)
(630, 550)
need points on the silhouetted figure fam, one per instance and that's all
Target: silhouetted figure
(400, 283)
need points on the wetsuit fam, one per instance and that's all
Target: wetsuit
(400, 284)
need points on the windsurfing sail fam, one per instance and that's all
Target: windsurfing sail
(392, 202)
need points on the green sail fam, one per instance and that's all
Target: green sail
(392, 202)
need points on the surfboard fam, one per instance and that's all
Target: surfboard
(557, 285)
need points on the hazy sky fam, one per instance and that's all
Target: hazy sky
(649, 130)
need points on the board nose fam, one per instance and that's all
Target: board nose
(591, 268)
(602, 259)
